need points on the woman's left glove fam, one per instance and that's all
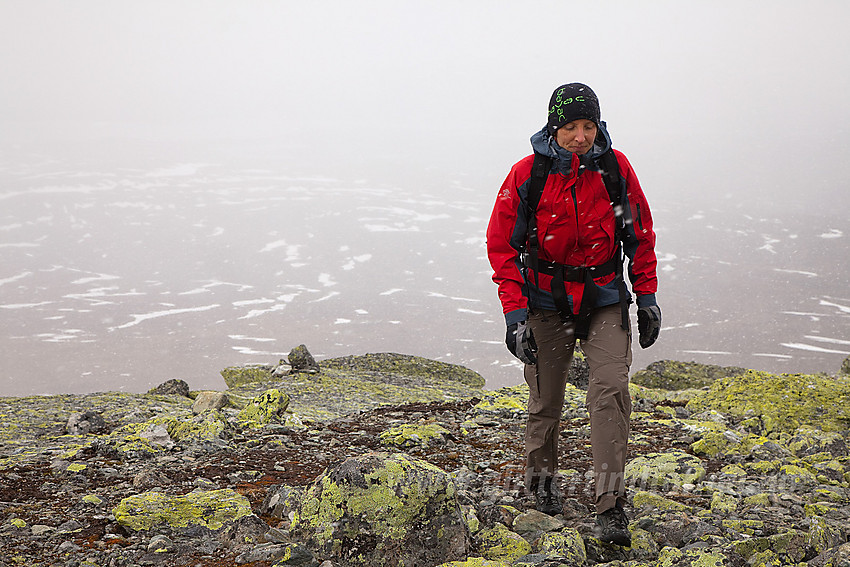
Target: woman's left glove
(649, 325)
(521, 343)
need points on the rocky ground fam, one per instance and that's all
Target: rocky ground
(389, 460)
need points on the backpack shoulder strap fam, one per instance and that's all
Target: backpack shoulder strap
(610, 169)
(539, 173)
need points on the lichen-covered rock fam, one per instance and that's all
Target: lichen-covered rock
(783, 402)
(835, 557)
(240, 375)
(415, 435)
(823, 534)
(675, 375)
(501, 544)
(267, 408)
(659, 470)
(566, 546)
(475, 562)
(383, 510)
(650, 501)
(212, 509)
(672, 557)
(807, 441)
(790, 545)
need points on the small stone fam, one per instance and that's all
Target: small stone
(70, 526)
(18, 523)
(160, 544)
(40, 529)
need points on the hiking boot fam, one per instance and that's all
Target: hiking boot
(612, 526)
(547, 497)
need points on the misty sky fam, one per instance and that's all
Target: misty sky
(721, 100)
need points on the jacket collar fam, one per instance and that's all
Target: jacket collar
(544, 143)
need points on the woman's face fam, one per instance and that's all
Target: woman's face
(576, 136)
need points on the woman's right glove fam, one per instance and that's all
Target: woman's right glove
(521, 343)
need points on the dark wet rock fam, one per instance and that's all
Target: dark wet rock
(300, 360)
(86, 422)
(175, 387)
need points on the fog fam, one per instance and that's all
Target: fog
(733, 114)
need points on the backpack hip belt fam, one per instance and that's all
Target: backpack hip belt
(562, 273)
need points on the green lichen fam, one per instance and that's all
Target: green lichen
(783, 402)
(92, 499)
(414, 435)
(211, 509)
(500, 544)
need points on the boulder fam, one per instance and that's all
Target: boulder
(175, 387)
(86, 422)
(209, 401)
(382, 510)
(415, 435)
(300, 360)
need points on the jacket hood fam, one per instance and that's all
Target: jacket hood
(544, 143)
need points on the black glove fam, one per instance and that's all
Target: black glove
(521, 343)
(649, 324)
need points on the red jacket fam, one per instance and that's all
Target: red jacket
(575, 223)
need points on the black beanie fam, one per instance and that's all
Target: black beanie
(572, 102)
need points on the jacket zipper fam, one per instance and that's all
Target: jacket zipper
(639, 218)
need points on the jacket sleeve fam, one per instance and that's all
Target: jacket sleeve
(506, 235)
(638, 237)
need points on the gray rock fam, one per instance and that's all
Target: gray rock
(209, 401)
(86, 422)
(175, 387)
(300, 360)
(160, 544)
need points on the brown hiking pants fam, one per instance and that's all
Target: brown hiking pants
(608, 351)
